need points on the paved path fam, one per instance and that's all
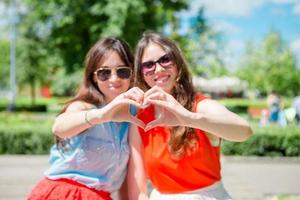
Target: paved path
(244, 178)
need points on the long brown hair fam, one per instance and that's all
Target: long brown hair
(88, 91)
(182, 139)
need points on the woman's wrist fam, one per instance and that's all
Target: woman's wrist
(87, 119)
(94, 116)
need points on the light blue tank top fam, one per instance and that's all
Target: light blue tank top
(96, 158)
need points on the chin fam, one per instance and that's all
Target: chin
(166, 89)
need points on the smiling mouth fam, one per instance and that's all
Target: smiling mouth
(162, 79)
(115, 86)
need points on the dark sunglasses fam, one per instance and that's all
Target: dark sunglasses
(103, 74)
(148, 68)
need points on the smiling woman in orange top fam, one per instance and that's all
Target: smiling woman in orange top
(179, 149)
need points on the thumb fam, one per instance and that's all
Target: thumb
(154, 124)
(137, 121)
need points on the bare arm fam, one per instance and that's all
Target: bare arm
(72, 121)
(214, 118)
(123, 191)
(211, 116)
(137, 181)
(79, 116)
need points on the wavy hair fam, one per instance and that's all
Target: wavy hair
(182, 139)
(88, 90)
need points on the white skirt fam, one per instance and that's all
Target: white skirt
(213, 192)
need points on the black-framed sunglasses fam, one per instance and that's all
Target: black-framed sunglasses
(148, 68)
(104, 73)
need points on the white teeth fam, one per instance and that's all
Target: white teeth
(162, 79)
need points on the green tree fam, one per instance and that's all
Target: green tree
(271, 66)
(57, 34)
(4, 64)
(203, 46)
(36, 62)
(208, 54)
(73, 26)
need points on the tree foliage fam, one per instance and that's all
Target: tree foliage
(204, 47)
(4, 64)
(271, 66)
(55, 35)
(71, 27)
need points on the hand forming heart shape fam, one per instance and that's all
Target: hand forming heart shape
(169, 112)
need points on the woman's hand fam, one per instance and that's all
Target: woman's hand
(169, 112)
(118, 109)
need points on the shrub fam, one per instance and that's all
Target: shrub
(25, 133)
(270, 141)
(25, 140)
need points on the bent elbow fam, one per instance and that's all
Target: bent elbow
(56, 130)
(246, 133)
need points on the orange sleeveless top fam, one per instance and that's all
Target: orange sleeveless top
(192, 172)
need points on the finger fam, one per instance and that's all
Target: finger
(127, 101)
(159, 113)
(135, 93)
(154, 96)
(152, 90)
(137, 89)
(137, 122)
(153, 124)
(160, 103)
(136, 97)
(145, 104)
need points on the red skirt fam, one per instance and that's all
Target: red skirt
(65, 189)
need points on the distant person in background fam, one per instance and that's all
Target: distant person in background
(273, 102)
(276, 112)
(274, 106)
(89, 161)
(264, 118)
(296, 106)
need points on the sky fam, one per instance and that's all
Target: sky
(249, 20)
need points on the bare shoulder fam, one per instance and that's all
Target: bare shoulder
(78, 106)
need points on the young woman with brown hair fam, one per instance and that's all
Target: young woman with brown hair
(179, 149)
(90, 158)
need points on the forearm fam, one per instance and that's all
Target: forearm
(123, 191)
(136, 179)
(143, 197)
(72, 123)
(224, 125)
(137, 182)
